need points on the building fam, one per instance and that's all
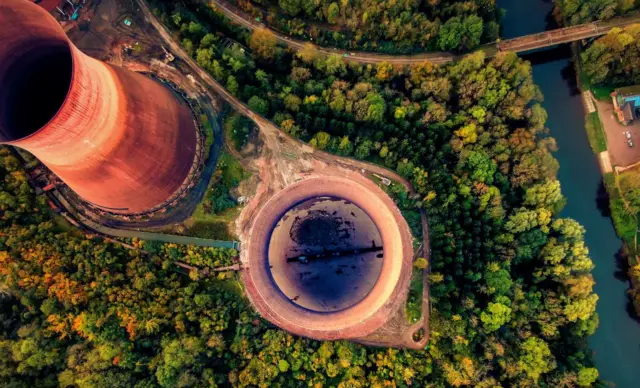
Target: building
(626, 103)
(122, 141)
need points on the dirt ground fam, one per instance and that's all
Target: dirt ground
(100, 31)
(621, 154)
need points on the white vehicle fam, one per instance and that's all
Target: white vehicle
(630, 143)
(628, 134)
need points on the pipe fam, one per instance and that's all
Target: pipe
(118, 139)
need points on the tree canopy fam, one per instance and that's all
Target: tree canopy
(510, 280)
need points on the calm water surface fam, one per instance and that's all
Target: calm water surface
(616, 343)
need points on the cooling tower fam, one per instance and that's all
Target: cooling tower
(121, 141)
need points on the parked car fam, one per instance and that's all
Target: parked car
(630, 143)
(628, 134)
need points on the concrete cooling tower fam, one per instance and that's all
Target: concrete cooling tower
(122, 141)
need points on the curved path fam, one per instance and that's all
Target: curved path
(249, 23)
(519, 44)
(265, 125)
(273, 134)
(128, 233)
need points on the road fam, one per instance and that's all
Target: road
(127, 233)
(249, 23)
(271, 132)
(273, 136)
(519, 44)
(565, 35)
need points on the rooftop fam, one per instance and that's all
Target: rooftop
(627, 112)
(629, 91)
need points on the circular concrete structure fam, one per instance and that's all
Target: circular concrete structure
(123, 142)
(359, 316)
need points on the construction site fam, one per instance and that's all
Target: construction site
(324, 252)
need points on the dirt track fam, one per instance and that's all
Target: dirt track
(523, 43)
(276, 172)
(246, 21)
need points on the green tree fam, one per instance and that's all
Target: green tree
(320, 140)
(535, 358)
(496, 315)
(587, 376)
(263, 43)
(232, 85)
(292, 7)
(451, 34)
(498, 281)
(333, 13)
(292, 102)
(258, 105)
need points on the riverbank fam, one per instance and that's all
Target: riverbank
(615, 342)
(624, 218)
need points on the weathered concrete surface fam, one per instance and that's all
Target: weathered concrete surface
(326, 232)
(120, 140)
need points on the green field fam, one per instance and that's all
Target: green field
(623, 220)
(595, 133)
(217, 211)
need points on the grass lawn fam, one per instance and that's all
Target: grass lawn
(595, 133)
(237, 129)
(414, 300)
(209, 135)
(232, 171)
(600, 92)
(215, 230)
(217, 225)
(60, 224)
(624, 222)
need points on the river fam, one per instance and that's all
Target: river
(616, 343)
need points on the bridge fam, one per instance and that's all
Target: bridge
(564, 35)
(520, 44)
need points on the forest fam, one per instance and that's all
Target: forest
(388, 26)
(614, 61)
(584, 11)
(511, 281)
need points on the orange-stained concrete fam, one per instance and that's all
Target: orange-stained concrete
(378, 306)
(122, 141)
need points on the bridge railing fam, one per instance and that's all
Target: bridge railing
(565, 35)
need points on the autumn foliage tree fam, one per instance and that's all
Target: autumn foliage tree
(263, 43)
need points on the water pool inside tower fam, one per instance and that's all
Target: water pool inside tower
(325, 254)
(35, 84)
